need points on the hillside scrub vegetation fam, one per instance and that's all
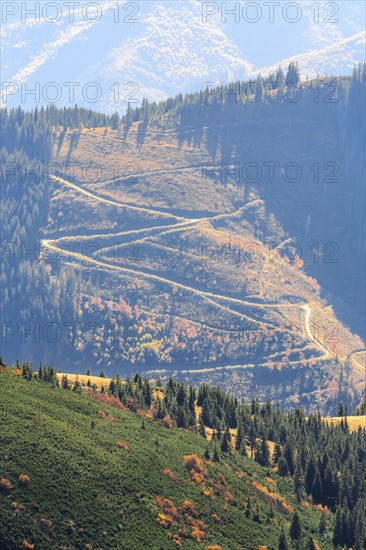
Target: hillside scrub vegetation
(73, 468)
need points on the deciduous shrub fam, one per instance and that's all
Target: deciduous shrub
(24, 479)
(168, 508)
(123, 445)
(5, 485)
(28, 545)
(172, 476)
(189, 508)
(273, 498)
(199, 529)
(166, 422)
(194, 462)
(18, 508)
(106, 416)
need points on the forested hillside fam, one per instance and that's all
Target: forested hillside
(222, 474)
(163, 241)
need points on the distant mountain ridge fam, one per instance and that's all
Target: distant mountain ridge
(158, 49)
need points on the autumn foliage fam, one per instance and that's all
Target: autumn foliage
(196, 467)
(18, 508)
(110, 400)
(189, 508)
(122, 445)
(5, 485)
(199, 528)
(166, 422)
(170, 513)
(106, 416)
(172, 476)
(27, 545)
(24, 479)
(186, 514)
(271, 497)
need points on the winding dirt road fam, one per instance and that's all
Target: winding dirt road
(181, 223)
(307, 310)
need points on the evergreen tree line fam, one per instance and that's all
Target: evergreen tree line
(32, 131)
(240, 92)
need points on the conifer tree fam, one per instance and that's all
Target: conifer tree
(317, 489)
(226, 441)
(295, 529)
(338, 527)
(201, 427)
(239, 437)
(248, 508)
(282, 543)
(310, 475)
(299, 479)
(292, 75)
(216, 455)
(256, 514)
(322, 524)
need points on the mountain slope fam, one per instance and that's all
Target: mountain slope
(91, 489)
(86, 485)
(173, 213)
(163, 243)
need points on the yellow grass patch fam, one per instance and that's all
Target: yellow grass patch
(354, 422)
(83, 379)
